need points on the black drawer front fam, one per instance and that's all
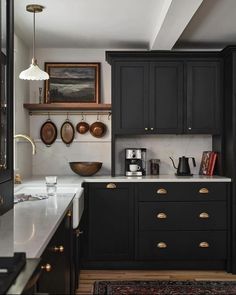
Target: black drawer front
(182, 216)
(185, 245)
(192, 191)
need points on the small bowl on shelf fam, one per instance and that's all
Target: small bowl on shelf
(85, 168)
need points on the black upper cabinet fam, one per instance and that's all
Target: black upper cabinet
(166, 97)
(6, 105)
(203, 97)
(131, 97)
(169, 95)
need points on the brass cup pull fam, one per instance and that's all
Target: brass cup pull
(161, 191)
(161, 215)
(47, 267)
(59, 249)
(1, 200)
(111, 185)
(204, 245)
(204, 215)
(69, 213)
(203, 191)
(161, 245)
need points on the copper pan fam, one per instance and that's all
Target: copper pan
(98, 129)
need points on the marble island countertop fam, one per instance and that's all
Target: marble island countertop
(35, 222)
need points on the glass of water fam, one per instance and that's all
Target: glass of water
(51, 185)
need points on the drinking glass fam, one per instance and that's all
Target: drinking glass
(51, 185)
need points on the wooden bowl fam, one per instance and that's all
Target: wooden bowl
(85, 168)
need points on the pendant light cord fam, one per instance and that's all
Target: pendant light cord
(34, 61)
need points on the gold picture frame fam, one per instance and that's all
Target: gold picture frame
(72, 83)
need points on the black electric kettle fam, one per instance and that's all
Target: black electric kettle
(183, 168)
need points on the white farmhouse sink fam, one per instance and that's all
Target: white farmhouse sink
(78, 201)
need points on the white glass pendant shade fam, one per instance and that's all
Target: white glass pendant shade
(34, 73)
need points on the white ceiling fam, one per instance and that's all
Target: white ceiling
(144, 24)
(90, 23)
(213, 26)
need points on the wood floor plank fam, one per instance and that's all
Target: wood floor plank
(88, 277)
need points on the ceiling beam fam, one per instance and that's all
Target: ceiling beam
(172, 21)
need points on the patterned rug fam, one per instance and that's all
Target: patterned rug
(165, 287)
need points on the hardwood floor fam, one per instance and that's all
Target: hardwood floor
(88, 277)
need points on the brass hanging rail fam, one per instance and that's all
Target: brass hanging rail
(59, 113)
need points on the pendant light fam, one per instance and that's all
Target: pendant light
(34, 72)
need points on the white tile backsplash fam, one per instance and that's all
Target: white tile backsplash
(162, 147)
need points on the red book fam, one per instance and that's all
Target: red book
(204, 162)
(209, 167)
(213, 164)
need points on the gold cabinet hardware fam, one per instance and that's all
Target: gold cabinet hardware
(1, 201)
(161, 215)
(204, 215)
(78, 232)
(111, 185)
(161, 245)
(69, 213)
(59, 249)
(152, 128)
(203, 190)
(146, 129)
(204, 245)
(47, 267)
(161, 191)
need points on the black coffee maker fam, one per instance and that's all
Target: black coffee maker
(183, 168)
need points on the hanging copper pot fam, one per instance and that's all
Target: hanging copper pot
(48, 132)
(67, 132)
(82, 127)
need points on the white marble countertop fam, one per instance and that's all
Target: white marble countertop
(35, 222)
(158, 178)
(76, 181)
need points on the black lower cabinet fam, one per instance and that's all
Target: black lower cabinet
(6, 196)
(57, 265)
(109, 213)
(157, 226)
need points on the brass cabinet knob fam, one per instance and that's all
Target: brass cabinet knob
(204, 245)
(204, 215)
(162, 245)
(152, 128)
(161, 215)
(47, 267)
(111, 185)
(69, 213)
(1, 201)
(59, 249)
(146, 129)
(189, 128)
(203, 190)
(161, 191)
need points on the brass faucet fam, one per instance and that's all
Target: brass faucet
(17, 176)
(29, 139)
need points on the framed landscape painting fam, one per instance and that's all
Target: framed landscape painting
(72, 82)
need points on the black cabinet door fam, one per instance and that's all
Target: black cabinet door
(166, 96)
(111, 222)
(203, 97)
(58, 280)
(130, 97)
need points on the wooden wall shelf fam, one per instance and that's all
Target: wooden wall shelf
(66, 106)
